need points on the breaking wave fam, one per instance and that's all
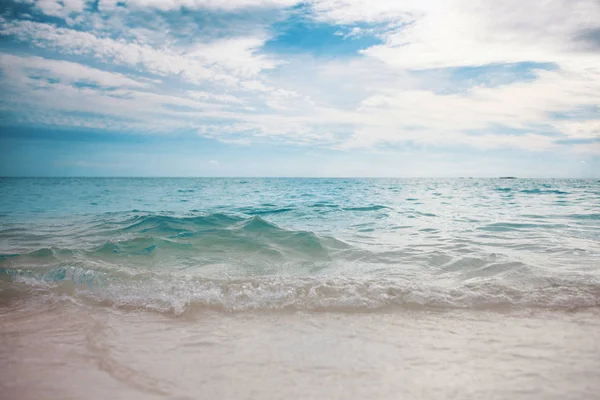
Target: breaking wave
(237, 262)
(179, 294)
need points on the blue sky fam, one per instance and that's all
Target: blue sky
(299, 88)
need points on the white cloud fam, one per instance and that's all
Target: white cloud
(254, 85)
(589, 129)
(217, 97)
(225, 61)
(59, 8)
(450, 33)
(65, 71)
(587, 149)
(237, 55)
(416, 116)
(429, 34)
(227, 88)
(518, 105)
(353, 11)
(210, 4)
(141, 108)
(63, 8)
(57, 100)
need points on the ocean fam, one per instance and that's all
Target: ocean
(248, 288)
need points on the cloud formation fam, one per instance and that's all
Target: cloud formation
(430, 79)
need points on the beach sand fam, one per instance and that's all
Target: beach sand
(55, 348)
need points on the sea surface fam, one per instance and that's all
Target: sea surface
(299, 288)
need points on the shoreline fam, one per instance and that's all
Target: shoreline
(63, 350)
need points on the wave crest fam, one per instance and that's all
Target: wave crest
(215, 237)
(179, 294)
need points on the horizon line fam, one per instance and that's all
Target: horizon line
(289, 177)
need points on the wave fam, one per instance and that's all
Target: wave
(366, 208)
(166, 224)
(513, 226)
(216, 237)
(541, 191)
(136, 246)
(179, 294)
(324, 205)
(584, 216)
(233, 262)
(264, 211)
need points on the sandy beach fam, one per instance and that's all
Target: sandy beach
(57, 349)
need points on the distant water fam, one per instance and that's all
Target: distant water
(299, 288)
(179, 245)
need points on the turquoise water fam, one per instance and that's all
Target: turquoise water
(176, 245)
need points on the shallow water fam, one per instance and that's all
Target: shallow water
(301, 288)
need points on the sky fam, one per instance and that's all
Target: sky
(324, 88)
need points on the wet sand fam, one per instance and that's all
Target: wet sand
(54, 348)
